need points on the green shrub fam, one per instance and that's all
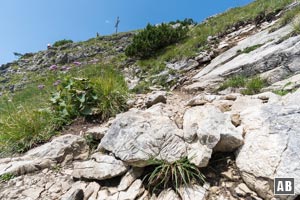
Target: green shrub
(74, 97)
(153, 38)
(62, 42)
(185, 22)
(173, 175)
(254, 86)
(104, 95)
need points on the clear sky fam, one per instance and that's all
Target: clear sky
(29, 25)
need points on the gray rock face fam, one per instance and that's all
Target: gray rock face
(137, 136)
(271, 146)
(206, 128)
(101, 167)
(61, 150)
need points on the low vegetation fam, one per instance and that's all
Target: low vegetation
(173, 175)
(248, 86)
(249, 49)
(6, 177)
(234, 82)
(62, 42)
(254, 86)
(32, 116)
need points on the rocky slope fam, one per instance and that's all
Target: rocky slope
(240, 142)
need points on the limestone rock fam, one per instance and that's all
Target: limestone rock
(137, 136)
(101, 167)
(76, 195)
(211, 128)
(133, 192)
(271, 145)
(91, 191)
(33, 193)
(168, 195)
(192, 192)
(61, 150)
(97, 132)
(129, 178)
(156, 97)
(183, 65)
(201, 100)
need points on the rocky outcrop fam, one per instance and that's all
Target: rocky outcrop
(208, 129)
(271, 145)
(138, 136)
(61, 150)
(273, 57)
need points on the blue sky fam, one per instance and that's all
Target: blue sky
(29, 25)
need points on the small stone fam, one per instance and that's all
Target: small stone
(155, 98)
(103, 194)
(242, 190)
(129, 178)
(48, 185)
(55, 188)
(76, 195)
(91, 191)
(65, 186)
(214, 190)
(19, 183)
(235, 119)
(33, 193)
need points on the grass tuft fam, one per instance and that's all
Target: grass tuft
(234, 82)
(254, 86)
(6, 177)
(173, 175)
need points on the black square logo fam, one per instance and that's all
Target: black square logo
(284, 186)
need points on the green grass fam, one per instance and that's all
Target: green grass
(254, 86)
(173, 175)
(27, 119)
(281, 92)
(249, 86)
(288, 17)
(6, 177)
(234, 82)
(249, 49)
(296, 26)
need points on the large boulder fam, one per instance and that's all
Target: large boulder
(206, 128)
(138, 136)
(271, 146)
